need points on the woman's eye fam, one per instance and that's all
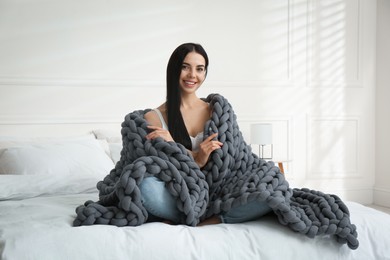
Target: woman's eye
(188, 68)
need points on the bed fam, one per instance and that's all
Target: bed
(38, 198)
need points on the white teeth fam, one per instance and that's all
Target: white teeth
(190, 83)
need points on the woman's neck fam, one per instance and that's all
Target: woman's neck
(189, 101)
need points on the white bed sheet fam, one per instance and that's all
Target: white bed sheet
(41, 228)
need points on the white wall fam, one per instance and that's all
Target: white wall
(382, 183)
(305, 66)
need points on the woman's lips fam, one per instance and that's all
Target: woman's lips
(189, 83)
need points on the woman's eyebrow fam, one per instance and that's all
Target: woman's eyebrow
(187, 64)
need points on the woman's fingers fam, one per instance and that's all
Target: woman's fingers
(211, 137)
(159, 132)
(152, 134)
(215, 145)
(154, 127)
(206, 148)
(209, 146)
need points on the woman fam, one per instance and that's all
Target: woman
(181, 119)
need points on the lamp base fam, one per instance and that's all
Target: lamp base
(262, 154)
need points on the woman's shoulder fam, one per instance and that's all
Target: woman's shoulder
(205, 106)
(153, 118)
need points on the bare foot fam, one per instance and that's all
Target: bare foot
(210, 221)
(168, 222)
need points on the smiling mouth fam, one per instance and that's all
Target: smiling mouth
(189, 83)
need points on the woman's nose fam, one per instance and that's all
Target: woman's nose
(192, 73)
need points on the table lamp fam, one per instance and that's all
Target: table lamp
(261, 135)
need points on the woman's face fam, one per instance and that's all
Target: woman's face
(193, 72)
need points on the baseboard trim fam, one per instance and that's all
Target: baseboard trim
(382, 197)
(363, 196)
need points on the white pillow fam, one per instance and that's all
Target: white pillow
(65, 157)
(14, 141)
(115, 150)
(110, 136)
(114, 140)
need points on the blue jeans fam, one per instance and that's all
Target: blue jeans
(161, 204)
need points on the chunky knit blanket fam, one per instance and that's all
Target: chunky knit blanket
(233, 176)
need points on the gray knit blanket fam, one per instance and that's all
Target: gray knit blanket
(232, 177)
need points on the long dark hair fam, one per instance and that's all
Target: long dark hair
(176, 124)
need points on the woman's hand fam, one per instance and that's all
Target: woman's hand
(205, 149)
(159, 132)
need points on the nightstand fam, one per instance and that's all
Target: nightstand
(280, 164)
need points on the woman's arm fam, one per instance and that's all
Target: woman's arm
(156, 126)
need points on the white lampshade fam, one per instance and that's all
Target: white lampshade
(261, 134)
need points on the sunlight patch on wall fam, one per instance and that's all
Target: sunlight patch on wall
(333, 147)
(334, 43)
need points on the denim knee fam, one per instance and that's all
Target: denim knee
(157, 200)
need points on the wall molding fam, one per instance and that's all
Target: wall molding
(58, 120)
(76, 82)
(316, 83)
(48, 119)
(128, 83)
(312, 171)
(289, 80)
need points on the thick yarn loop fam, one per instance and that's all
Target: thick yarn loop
(232, 177)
